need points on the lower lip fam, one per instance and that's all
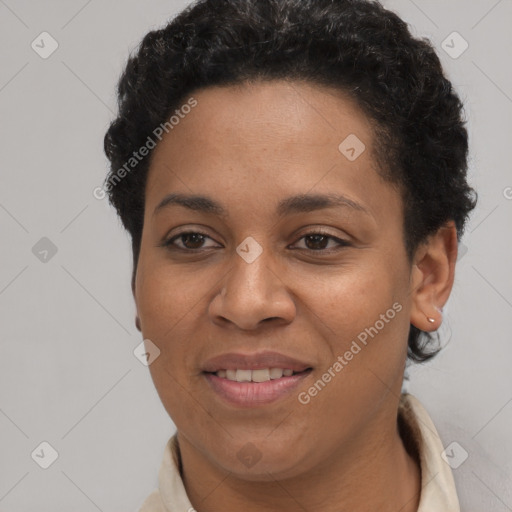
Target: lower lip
(252, 394)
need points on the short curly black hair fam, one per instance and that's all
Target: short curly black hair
(356, 46)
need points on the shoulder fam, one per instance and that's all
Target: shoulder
(480, 482)
(153, 503)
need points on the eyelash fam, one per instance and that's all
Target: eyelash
(169, 244)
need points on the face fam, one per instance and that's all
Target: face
(269, 274)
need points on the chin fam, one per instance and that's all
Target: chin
(267, 472)
(263, 464)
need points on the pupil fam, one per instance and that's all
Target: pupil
(316, 239)
(188, 236)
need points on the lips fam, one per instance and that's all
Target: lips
(255, 394)
(255, 361)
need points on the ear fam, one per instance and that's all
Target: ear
(432, 277)
(137, 319)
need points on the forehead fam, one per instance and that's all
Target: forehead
(265, 141)
(301, 113)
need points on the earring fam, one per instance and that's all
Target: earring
(432, 320)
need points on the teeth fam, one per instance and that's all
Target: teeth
(260, 375)
(276, 373)
(243, 375)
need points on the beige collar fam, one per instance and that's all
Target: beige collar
(437, 484)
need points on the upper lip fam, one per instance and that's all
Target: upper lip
(255, 361)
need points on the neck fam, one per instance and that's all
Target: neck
(372, 471)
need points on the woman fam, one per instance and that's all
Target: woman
(293, 177)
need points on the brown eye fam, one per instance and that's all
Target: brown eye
(318, 242)
(190, 240)
(195, 239)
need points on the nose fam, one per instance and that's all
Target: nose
(252, 294)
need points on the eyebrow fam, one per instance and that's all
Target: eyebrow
(294, 204)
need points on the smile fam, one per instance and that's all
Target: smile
(251, 388)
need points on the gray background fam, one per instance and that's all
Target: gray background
(68, 374)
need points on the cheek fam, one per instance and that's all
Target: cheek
(362, 316)
(168, 304)
(165, 297)
(351, 299)
(363, 321)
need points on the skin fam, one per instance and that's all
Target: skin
(248, 147)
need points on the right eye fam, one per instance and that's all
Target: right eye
(193, 238)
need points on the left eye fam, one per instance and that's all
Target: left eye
(318, 240)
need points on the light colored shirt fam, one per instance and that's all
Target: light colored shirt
(438, 493)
